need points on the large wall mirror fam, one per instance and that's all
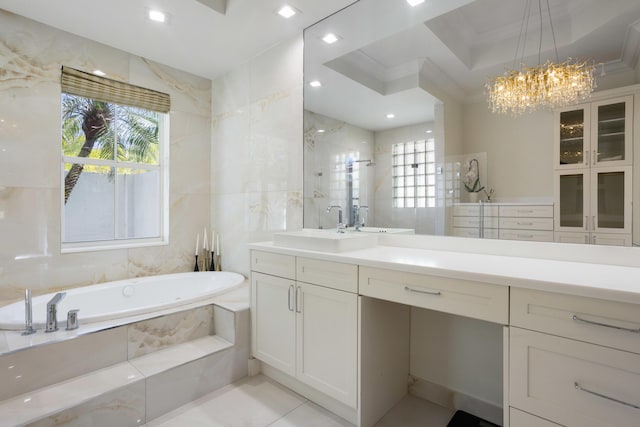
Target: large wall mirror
(398, 133)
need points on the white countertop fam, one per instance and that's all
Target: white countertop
(589, 279)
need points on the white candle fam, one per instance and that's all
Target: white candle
(197, 243)
(218, 244)
(213, 246)
(205, 245)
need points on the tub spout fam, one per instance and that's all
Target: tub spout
(52, 312)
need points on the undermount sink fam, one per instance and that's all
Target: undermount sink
(324, 240)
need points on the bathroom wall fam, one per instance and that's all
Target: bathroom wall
(31, 55)
(256, 155)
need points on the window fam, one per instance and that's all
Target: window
(414, 174)
(114, 167)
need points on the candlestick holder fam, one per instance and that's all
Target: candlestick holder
(195, 268)
(213, 261)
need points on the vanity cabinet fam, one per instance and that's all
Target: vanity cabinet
(305, 322)
(594, 134)
(574, 360)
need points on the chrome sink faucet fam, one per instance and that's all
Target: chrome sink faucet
(52, 312)
(28, 314)
(341, 226)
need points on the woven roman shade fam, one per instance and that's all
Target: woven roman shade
(80, 83)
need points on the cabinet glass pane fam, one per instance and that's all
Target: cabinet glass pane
(571, 137)
(611, 132)
(611, 200)
(571, 200)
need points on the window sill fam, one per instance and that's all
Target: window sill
(69, 248)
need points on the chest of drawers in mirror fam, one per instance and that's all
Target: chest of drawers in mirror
(304, 321)
(574, 360)
(506, 221)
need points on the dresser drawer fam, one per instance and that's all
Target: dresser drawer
(530, 235)
(469, 221)
(518, 418)
(334, 275)
(532, 211)
(554, 313)
(489, 233)
(274, 264)
(473, 209)
(526, 223)
(463, 297)
(573, 383)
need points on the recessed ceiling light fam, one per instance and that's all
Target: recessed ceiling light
(330, 38)
(287, 11)
(414, 2)
(429, 131)
(315, 83)
(99, 73)
(320, 130)
(156, 15)
(390, 116)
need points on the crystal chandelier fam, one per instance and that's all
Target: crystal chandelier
(549, 85)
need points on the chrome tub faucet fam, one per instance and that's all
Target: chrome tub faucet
(52, 312)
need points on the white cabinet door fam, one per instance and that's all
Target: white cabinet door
(611, 127)
(327, 341)
(572, 206)
(611, 200)
(273, 321)
(572, 137)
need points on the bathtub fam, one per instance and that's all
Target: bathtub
(124, 298)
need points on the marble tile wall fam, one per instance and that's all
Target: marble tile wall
(31, 55)
(256, 155)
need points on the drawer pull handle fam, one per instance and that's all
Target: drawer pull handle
(420, 291)
(524, 223)
(590, 322)
(525, 211)
(580, 388)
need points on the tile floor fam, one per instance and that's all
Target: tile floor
(251, 402)
(260, 402)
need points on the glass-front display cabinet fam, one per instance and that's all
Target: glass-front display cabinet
(594, 206)
(594, 134)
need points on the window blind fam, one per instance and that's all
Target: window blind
(81, 83)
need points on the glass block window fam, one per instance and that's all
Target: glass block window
(414, 174)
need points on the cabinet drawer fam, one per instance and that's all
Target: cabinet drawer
(473, 209)
(554, 313)
(532, 211)
(463, 297)
(275, 264)
(526, 223)
(489, 233)
(469, 221)
(518, 418)
(530, 235)
(334, 275)
(573, 383)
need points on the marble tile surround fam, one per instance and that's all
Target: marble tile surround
(256, 178)
(30, 58)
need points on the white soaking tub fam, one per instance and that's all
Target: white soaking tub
(124, 298)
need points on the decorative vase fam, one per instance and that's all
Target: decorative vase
(474, 197)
